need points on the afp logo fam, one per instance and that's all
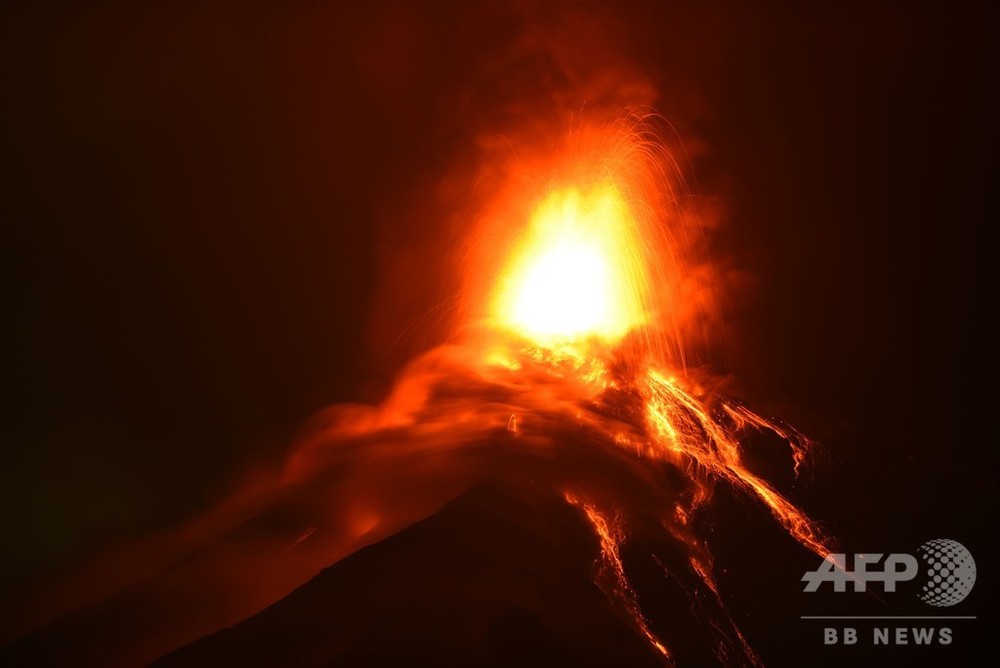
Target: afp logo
(946, 572)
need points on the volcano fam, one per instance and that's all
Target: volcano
(540, 489)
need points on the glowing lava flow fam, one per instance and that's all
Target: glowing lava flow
(612, 579)
(682, 426)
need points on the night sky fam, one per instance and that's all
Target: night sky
(207, 212)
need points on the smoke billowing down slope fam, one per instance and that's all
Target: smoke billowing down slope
(609, 356)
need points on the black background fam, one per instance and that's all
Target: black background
(197, 203)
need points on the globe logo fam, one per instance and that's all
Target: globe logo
(951, 572)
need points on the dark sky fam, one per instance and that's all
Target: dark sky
(199, 204)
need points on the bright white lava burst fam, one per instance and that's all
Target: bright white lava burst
(575, 272)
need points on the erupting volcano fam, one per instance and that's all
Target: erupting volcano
(582, 325)
(562, 439)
